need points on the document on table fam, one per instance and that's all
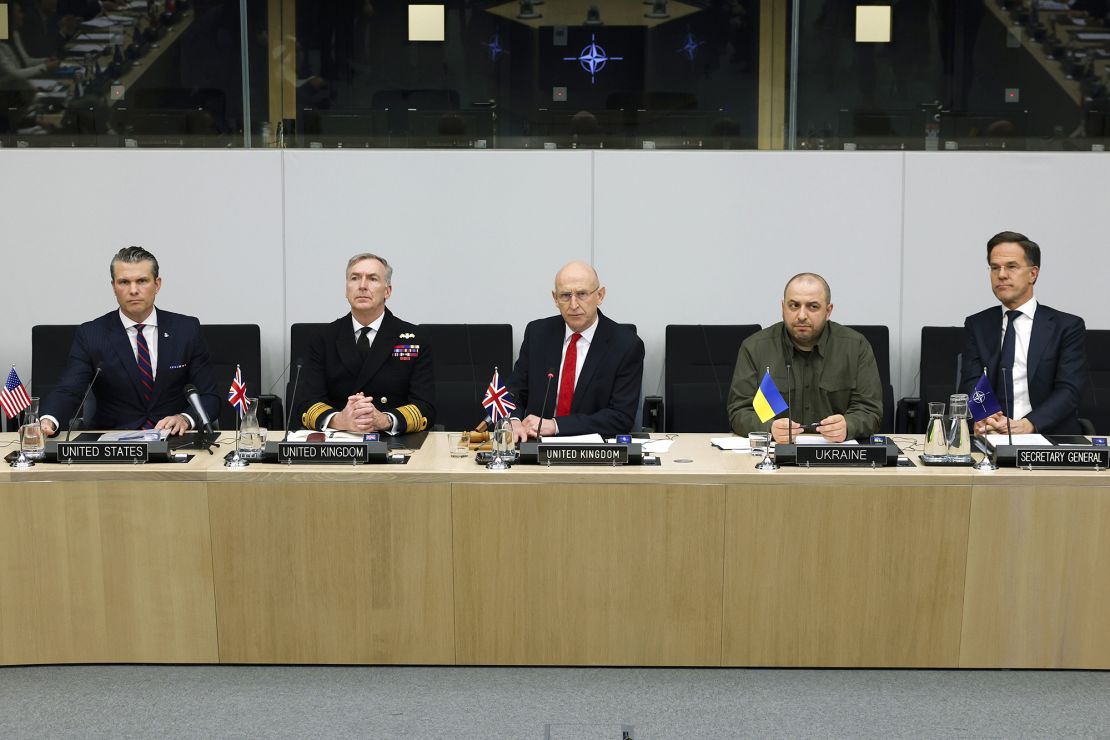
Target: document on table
(734, 442)
(331, 435)
(653, 446)
(817, 439)
(1019, 439)
(577, 439)
(135, 435)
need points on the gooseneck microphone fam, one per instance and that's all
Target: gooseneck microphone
(192, 395)
(1006, 411)
(81, 406)
(543, 409)
(789, 405)
(292, 399)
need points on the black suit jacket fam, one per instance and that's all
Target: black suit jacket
(398, 370)
(608, 387)
(1057, 364)
(182, 359)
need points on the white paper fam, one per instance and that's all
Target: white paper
(133, 435)
(1019, 439)
(577, 439)
(730, 443)
(86, 48)
(46, 85)
(331, 435)
(654, 446)
(817, 439)
(1092, 36)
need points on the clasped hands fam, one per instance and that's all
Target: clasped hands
(996, 424)
(360, 415)
(833, 428)
(531, 428)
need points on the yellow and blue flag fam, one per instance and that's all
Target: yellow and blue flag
(768, 402)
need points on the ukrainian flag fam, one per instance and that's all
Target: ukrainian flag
(768, 401)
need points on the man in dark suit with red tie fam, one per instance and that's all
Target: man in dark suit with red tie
(146, 358)
(1041, 350)
(596, 366)
(369, 371)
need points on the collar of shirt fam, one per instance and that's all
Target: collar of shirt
(818, 347)
(587, 334)
(151, 320)
(1029, 308)
(375, 325)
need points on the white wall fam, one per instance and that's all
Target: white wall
(476, 236)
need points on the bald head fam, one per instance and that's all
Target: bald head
(808, 279)
(577, 294)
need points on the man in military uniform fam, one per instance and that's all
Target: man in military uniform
(369, 371)
(830, 368)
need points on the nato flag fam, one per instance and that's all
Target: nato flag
(982, 401)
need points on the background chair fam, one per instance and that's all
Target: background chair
(465, 355)
(879, 337)
(698, 367)
(240, 344)
(300, 338)
(1094, 404)
(940, 348)
(50, 345)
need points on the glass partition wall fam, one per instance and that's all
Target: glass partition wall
(555, 74)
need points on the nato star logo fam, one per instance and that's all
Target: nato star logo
(978, 397)
(495, 48)
(593, 58)
(690, 47)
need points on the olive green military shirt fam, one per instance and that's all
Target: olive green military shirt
(838, 376)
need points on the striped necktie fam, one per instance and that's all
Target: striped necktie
(146, 372)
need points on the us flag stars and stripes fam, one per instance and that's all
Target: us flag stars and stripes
(14, 397)
(497, 402)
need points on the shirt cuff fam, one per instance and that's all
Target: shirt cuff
(327, 420)
(57, 427)
(192, 424)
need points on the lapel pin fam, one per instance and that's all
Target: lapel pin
(165, 335)
(406, 335)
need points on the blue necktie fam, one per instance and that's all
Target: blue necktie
(1006, 360)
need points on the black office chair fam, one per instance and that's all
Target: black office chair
(879, 337)
(464, 358)
(240, 344)
(698, 367)
(1094, 404)
(50, 345)
(300, 339)
(940, 347)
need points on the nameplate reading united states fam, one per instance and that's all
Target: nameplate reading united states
(103, 452)
(1057, 458)
(841, 455)
(594, 454)
(353, 453)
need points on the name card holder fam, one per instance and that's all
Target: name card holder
(1053, 457)
(848, 456)
(326, 453)
(554, 453)
(136, 453)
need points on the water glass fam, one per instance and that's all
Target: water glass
(760, 443)
(32, 441)
(458, 444)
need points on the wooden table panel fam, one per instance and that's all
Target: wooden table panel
(826, 575)
(1038, 577)
(105, 572)
(602, 574)
(333, 572)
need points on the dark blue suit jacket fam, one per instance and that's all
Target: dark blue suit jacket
(1057, 364)
(608, 388)
(182, 359)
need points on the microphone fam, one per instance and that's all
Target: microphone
(292, 399)
(1006, 404)
(789, 406)
(279, 377)
(192, 395)
(84, 398)
(543, 409)
(959, 369)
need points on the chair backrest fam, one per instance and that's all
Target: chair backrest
(879, 338)
(940, 346)
(300, 339)
(230, 345)
(1094, 404)
(464, 358)
(698, 367)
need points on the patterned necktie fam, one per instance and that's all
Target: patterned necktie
(363, 342)
(566, 379)
(146, 372)
(1006, 359)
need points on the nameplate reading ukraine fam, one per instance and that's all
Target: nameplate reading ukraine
(353, 453)
(103, 452)
(590, 454)
(843, 455)
(1058, 458)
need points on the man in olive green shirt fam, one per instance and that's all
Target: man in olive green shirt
(832, 370)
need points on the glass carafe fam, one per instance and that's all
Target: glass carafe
(32, 441)
(251, 440)
(958, 433)
(936, 436)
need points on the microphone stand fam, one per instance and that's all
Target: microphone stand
(80, 406)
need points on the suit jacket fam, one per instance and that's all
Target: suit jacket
(397, 374)
(182, 359)
(1057, 364)
(608, 388)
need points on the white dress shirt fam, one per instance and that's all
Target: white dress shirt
(1023, 330)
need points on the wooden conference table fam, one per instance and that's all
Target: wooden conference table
(439, 561)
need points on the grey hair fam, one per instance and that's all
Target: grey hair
(368, 256)
(131, 256)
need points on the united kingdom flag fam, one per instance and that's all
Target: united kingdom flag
(237, 396)
(497, 402)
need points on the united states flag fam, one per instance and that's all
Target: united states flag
(14, 397)
(497, 402)
(237, 396)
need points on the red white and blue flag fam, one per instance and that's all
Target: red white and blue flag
(237, 396)
(498, 403)
(14, 397)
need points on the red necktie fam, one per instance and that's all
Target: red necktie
(146, 373)
(566, 380)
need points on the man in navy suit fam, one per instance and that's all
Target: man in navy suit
(595, 366)
(1042, 350)
(146, 358)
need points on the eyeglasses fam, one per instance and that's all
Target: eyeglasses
(579, 295)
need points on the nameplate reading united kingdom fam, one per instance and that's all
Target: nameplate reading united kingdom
(353, 453)
(1060, 458)
(595, 454)
(103, 452)
(841, 455)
